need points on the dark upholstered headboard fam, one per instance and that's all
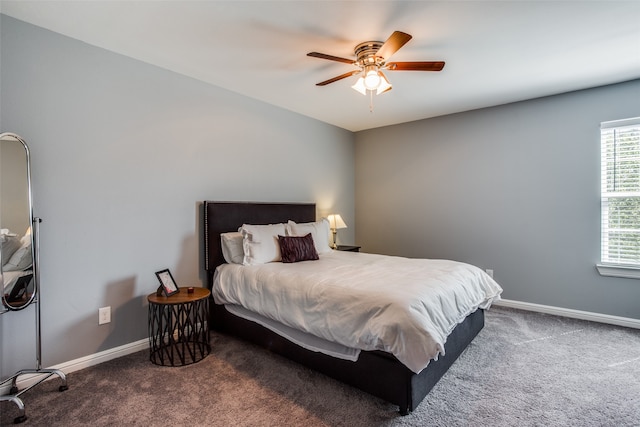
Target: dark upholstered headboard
(222, 217)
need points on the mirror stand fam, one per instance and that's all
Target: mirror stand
(38, 375)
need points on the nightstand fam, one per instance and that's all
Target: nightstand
(348, 248)
(179, 327)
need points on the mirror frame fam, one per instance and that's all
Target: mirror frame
(34, 222)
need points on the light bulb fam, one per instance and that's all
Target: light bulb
(371, 78)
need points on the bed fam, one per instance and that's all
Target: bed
(377, 372)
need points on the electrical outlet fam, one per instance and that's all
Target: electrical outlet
(489, 272)
(104, 315)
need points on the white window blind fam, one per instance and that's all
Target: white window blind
(620, 209)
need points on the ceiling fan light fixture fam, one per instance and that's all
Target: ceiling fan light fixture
(383, 86)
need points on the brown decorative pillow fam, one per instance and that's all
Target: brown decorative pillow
(297, 248)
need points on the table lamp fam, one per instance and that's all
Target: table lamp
(335, 222)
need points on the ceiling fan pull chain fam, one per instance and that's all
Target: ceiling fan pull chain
(370, 101)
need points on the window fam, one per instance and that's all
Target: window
(620, 194)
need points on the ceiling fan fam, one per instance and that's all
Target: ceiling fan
(371, 58)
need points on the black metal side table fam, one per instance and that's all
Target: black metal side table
(179, 327)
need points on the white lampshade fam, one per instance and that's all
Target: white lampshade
(384, 84)
(336, 222)
(359, 86)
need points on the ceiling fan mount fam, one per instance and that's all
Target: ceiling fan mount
(371, 58)
(366, 54)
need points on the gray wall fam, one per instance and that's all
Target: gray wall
(122, 153)
(514, 188)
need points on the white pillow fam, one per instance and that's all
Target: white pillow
(319, 231)
(232, 250)
(21, 259)
(260, 243)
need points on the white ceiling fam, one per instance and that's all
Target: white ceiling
(496, 52)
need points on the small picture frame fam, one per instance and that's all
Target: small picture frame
(167, 284)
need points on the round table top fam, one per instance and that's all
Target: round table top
(181, 297)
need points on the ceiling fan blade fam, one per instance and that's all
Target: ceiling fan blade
(340, 77)
(393, 43)
(330, 57)
(415, 66)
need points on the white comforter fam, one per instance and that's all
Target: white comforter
(403, 306)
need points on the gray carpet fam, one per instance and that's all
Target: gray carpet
(523, 369)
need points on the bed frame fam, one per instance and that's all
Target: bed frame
(375, 372)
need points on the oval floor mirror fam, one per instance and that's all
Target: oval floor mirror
(19, 251)
(19, 275)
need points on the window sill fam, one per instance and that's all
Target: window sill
(616, 270)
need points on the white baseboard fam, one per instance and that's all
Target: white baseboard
(103, 356)
(574, 314)
(81, 363)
